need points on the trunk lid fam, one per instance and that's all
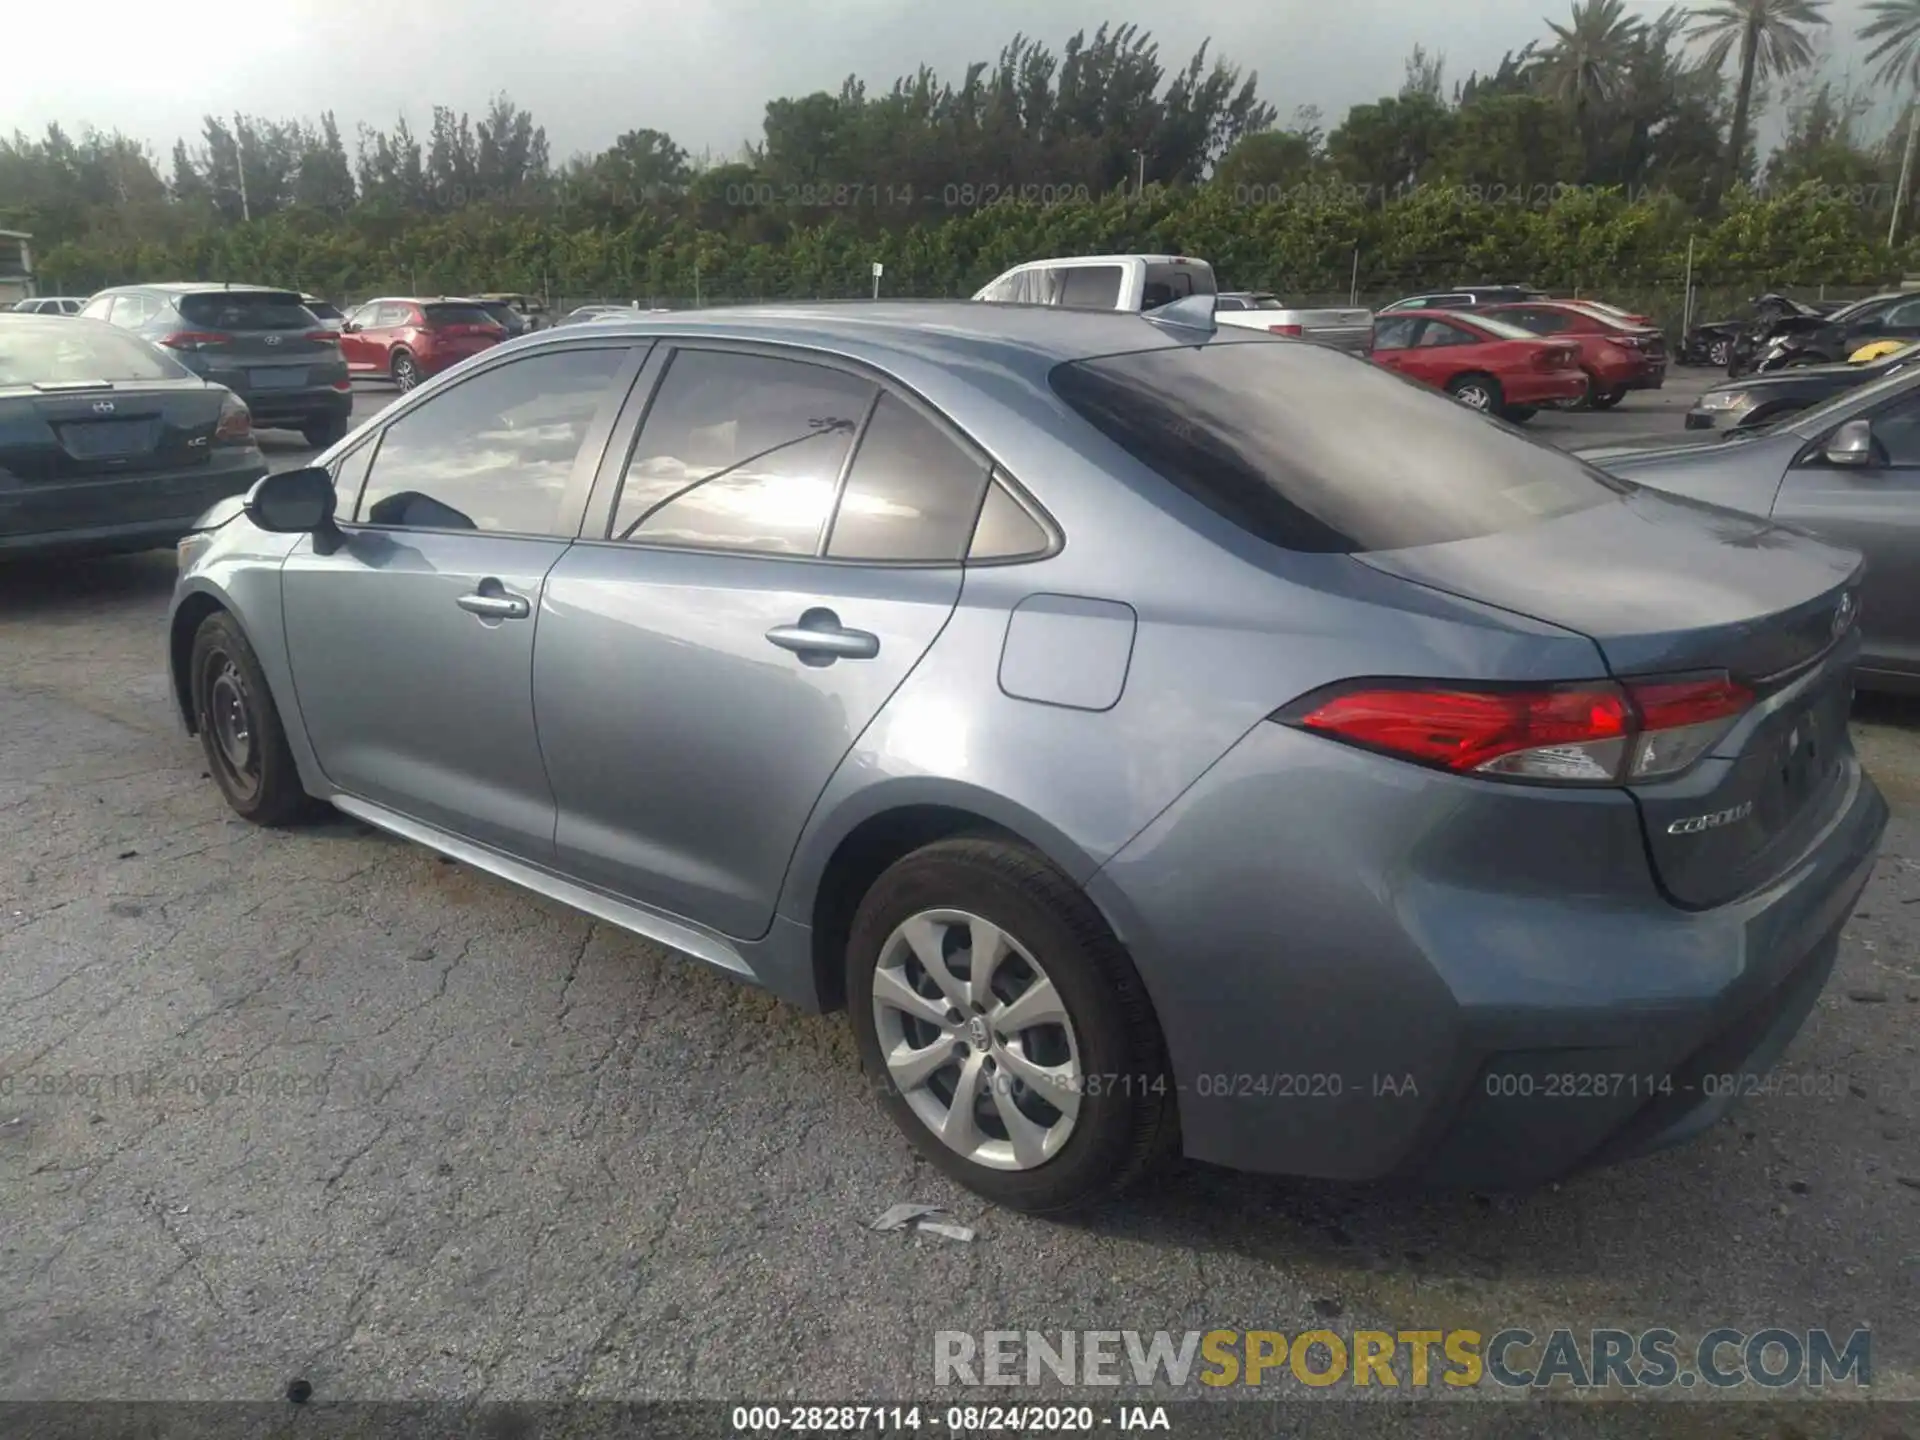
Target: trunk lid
(55, 433)
(1686, 589)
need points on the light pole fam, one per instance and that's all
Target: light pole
(1141, 188)
(240, 164)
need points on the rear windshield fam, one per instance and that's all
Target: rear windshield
(246, 310)
(1312, 450)
(64, 354)
(1264, 302)
(1166, 283)
(1505, 329)
(458, 315)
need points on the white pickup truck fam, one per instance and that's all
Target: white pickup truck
(1146, 282)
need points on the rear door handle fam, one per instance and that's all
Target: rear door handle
(492, 602)
(820, 638)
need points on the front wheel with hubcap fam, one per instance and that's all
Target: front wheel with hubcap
(1006, 1029)
(240, 729)
(1477, 392)
(406, 374)
(1720, 353)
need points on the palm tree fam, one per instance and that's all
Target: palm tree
(1895, 31)
(1588, 56)
(1773, 40)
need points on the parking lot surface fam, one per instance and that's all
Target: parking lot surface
(320, 1104)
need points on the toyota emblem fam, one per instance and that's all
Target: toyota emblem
(103, 407)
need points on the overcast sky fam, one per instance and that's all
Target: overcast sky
(699, 69)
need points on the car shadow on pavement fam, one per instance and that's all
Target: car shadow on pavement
(41, 588)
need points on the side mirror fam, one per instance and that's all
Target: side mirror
(296, 502)
(1851, 445)
(350, 327)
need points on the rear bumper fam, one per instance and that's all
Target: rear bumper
(1411, 990)
(124, 513)
(294, 408)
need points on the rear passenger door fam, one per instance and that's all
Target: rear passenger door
(757, 576)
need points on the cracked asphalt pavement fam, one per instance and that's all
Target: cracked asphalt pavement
(321, 1104)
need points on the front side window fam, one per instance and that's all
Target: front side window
(740, 452)
(392, 317)
(98, 307)
(131, 310)
(1354, 459)
(1394, 334)
(495, 452)
(912, 493)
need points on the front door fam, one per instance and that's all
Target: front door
(1875, 510)
(703, 669)
(412, 643)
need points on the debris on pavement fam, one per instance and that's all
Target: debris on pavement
(908, 1215)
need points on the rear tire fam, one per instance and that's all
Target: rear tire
(240, 730)
(1720, 354)
(1103, 1112)
(1477, 392)
(406, 371)
(1520, 414)
(1605, 399)
(319, 434)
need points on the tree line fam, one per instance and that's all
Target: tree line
(1659, 111)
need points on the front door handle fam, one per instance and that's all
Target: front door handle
(491, 601)
(820, 639)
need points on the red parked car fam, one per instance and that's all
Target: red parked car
(1482, 361)
(406, 340)
(1617, 353)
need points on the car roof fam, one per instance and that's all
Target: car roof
(199, 287)
(1027, 337)
(1108, 260)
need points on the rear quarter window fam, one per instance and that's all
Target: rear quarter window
(1316, 451)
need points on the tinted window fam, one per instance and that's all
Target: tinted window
(740, 452)
(1092, 287)
(246, 310)
(1309, 451)
(1006, 531)
(1905, 315)
(494, 452)
(1268, 302)
(912, 493)
(1181, 281)
(57, 354)
(458, 315)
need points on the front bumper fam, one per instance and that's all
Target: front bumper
(1365, 971)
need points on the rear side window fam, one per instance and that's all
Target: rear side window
(1091, 287)
(740, 452)
(246, 310)
(70, 354)
(912, 492)
(1310, 451)
(458, 315)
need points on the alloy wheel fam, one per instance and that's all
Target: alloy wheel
(1722, 352)
(977, 1039)
(1474, 397)
(405, 374)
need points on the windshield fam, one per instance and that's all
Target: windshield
(1312, 450)
(71, 354)
(1847, 402)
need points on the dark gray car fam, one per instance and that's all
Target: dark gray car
(1155, 737)
(1849, 471)
(261, 343)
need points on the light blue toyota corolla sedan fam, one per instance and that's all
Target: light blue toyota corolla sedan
(1159, 739)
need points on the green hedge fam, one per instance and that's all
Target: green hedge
(1304, 244)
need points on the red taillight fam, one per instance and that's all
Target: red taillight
(195, 340)
(343, 385)
(236, 423)
(1293, 330)
(1593, 734)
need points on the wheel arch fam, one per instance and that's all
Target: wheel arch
(188, 616)
(842, 857)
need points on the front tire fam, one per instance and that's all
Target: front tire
(1605, 399)
(1720, 354)
(240, 729)
(1477, 392)
(1006, 1031)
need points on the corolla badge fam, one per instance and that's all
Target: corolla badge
(1844, 613)
(1694, 824)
